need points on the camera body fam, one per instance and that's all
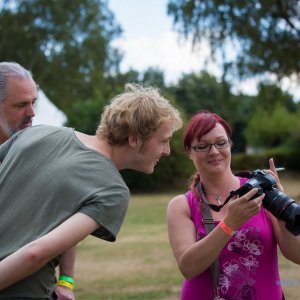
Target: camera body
(258, 179)
(278, 203)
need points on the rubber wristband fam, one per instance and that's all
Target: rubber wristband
(67, 278)
(226, 228)
(66, 284)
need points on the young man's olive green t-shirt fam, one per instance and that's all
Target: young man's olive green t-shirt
(46, 176)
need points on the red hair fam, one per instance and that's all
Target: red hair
(199, 125)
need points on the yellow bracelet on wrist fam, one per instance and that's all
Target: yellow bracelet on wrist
(66, 284)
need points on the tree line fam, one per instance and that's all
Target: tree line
(68, 47)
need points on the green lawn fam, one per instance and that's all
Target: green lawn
(140, 265)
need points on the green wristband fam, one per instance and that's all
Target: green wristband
(67, 278)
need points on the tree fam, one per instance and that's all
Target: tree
(269, 95)
(154, 77)
(201, 91)
(265, 34)
(295, 134)
(270, 129)
(272, 118)
(65, 43)
(195, 92)
(85, 115)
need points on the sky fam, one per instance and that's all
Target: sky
(148, 40)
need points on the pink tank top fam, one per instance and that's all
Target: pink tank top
(248, 262)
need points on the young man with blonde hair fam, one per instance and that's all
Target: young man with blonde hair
(61, 170)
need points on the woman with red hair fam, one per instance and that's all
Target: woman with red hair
(236, 258)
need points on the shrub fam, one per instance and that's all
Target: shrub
(283, 157)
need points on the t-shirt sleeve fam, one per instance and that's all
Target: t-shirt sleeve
(108, 207)
(4, 148)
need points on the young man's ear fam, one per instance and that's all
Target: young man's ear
(133, 141)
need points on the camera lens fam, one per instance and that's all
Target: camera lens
(284, 208)
(278, 203)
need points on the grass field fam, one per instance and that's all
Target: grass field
(140, 265)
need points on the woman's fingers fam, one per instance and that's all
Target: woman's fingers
(274, 173)
(244, 207)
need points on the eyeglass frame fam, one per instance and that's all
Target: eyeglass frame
(228, 143)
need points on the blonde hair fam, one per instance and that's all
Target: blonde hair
(138, 111)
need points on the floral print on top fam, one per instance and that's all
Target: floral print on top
(248, 262)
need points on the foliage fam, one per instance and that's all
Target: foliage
(272, 119)
(264, 34)
(269, 95)
(295, 133)
(65, 43)
(269, 129)
(154, 77)
(85, 116)
(282, 156)
(202, 91)
(195, 92)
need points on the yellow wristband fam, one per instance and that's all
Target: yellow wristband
(66, 284)
(226, 229)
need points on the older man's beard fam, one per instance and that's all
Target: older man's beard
(6, 129)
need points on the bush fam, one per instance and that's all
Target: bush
(283, 157)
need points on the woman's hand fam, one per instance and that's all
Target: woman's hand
(274, 173)
(241, 209)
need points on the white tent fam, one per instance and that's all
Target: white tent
(47, 113)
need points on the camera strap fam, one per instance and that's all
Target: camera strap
(217, 208)
(209, 225)
(214, 207)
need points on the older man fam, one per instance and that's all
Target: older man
(18, 94)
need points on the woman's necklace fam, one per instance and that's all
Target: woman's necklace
(218, 197)
(216, 208)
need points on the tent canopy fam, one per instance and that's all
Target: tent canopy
(47, 113)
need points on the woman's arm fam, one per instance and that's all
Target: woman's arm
(287, 242)
(194, 257)
(36, 254)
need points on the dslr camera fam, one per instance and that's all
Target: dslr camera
(278, 203)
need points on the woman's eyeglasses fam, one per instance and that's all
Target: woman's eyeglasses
(206, 147)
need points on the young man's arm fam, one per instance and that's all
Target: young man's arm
(66, 268)
(36, 254)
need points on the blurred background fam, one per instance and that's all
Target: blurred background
(238, 59)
